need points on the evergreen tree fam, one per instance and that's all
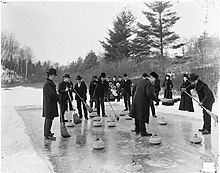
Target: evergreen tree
(90, 60)
(117, 46)
(161, 20)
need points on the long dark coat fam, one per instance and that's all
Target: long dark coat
(63, 94)
(101, 89)
(126, 87)
(82, 90)
(186, 103)
(50, 99)
(168, 84)
(143, 94)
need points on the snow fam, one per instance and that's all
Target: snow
(18, 154)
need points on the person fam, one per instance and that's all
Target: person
(143, 94)
(114, 81)
(186, 103)
(119, 88)
(64, 87)
(206, 99)
(126, 85)
(168, 86)
(50, 100)
(100, 92)
(156, 89)
(92, 86)
(80, 90)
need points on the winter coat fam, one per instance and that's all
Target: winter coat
(143, 95)
(186, 103)
(157, 86)
(82, 90)
(101, 89)
(92, 86)
(205, 94)
(50, 99)
(168, 84)
(63, 94)
(126, 85)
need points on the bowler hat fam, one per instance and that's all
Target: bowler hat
(125, 75)
(186, 75)
(78, 77)
(154, 74)
(66, 76)
(52, 71)
(144, 75)
(95, 77)
(103, 74)
(193, 77)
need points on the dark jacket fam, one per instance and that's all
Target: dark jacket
(143, 94)
(186, 103)
(92, 86)
(157, 86)
(127, 87)
(205, 94)
(50, 99)
(101, 89)
(82, 90)
(63, 94)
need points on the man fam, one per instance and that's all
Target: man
(64, 87)
(92, 86)
(50, 100)
(157, 89)
(206, 99)
(100, 92)
(80, 90)
(126, 85)
(143, 95)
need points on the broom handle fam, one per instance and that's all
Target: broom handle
(79, 96)
(195, 100)
(110, 105)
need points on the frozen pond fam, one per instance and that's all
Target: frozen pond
(75, 154)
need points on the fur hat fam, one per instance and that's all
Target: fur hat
(103, 74)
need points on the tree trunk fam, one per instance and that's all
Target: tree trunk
(161, 35)
(26, 73)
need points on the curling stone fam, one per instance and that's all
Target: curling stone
(134, 167)
(122, 113)
(98, 144)
(97, 118)
(111, 124)
(93, 114)
(110, 119)
(155, 140)
(127, 117)
(195, 139)
(133, 128)
(70, 123)
(97, 123)
(162, 121)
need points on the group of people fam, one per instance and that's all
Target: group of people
(143, 94)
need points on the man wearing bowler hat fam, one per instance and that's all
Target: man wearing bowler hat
(50, 100)
(126, 85)
(101, 91)
(206, 99)
(65, 90)
(80, 93)
(143, 94)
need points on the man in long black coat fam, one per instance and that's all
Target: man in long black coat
(206, 99)
(100, 92)
(92, 86)
(126, 85)
(65, 90)
(81, 90)
(50, 100)
(143, 95)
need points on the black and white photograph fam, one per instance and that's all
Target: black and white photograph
(110, 86)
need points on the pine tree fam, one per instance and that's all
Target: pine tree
(117, 46)
(161, 20)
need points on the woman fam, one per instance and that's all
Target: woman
(186, 103)
(168, 86)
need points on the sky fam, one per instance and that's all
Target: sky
(64, 31)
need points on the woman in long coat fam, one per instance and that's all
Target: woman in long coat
(186, 103)
(143, 95)
(168, 86)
